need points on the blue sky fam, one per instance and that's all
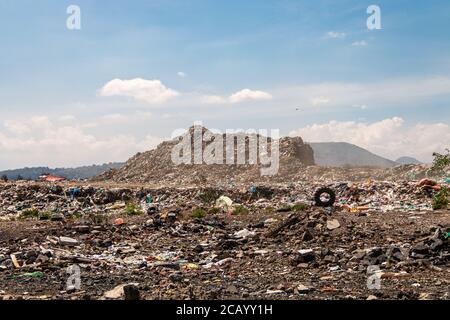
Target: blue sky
(325, 76)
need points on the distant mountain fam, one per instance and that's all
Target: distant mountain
(407, 160)
(85, 172)
(338, 154)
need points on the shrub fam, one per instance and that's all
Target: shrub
(133, 209)
(440, 200)
(214, 211)
(30, 213)
(199, 213)
(440, 162)
(240, 210)
(45, 215)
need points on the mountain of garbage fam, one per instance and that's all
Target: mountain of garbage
(157, 166)
(296, 163)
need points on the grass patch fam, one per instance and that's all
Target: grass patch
(300, 207)
(29, 213)
(270, 209)
(240, 210)
(199, 213)
(213, 211)
(133, 209)
(207, 195)
(45, 215)
(284, 208)
(77, 215)
(35, 214)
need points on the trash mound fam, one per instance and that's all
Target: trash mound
(156, 166)
(296, 164)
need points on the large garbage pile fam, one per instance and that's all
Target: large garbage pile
(296, 164)
(156, 166)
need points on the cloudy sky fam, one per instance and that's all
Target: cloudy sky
(138, 70)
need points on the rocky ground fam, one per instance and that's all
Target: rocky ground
(271, 243)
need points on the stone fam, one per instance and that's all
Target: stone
(82, 228)
(333, 224)
(66, 241)
(118, 292)
(304, 256)
(57, 217)
(131, 292)
(302, 289)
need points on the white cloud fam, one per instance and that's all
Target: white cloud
(166, 116)
(237, 97)
(248, 94)
(54, 144)
(16, 127)
(335, 35)
(67, 117)
(317, 101)
(213, 99)
(181, 74)
(361, 43)
(398, 92)
(40, 122)
(114, 117)
(149, 91)
(391, 138)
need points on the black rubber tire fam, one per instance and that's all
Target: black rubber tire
(320, 192)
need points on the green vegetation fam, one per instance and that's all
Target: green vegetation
(30, 213)
(300, 207)
(440, 162)
(76, 215)
(214, 210)
(45, 215)
(240, 210)
(207, 195)
(284, 208)
(441, 199)
(35, 214)
(199, 213)
(133, 209)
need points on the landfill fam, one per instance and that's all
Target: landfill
(379, 240)
(154, 230)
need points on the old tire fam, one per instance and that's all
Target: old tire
(331, 197)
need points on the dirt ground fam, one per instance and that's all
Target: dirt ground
(191, 258)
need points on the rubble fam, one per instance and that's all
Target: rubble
(333, 224)
(253, 240)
